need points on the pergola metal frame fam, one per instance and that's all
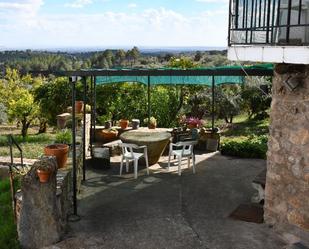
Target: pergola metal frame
(92, 73)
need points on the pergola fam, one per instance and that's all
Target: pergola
(163, 76)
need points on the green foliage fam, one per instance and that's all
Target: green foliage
(32, 145)
(246, 147)
(8, 233)
(53, 97)
(228, 102)
(182, 62)
(121, 101)
(16, 95)
(246, 138)
(151, 121)
(255, 100)
(64, 137)
(164, 105)
(39, 138)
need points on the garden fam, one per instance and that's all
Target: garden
(29, 107)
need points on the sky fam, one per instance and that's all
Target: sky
(112, 23)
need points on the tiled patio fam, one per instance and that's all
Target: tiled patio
(163, 210)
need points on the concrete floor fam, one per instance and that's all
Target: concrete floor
(163, 210)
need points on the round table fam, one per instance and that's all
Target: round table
(155, 140)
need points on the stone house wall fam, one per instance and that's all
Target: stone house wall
(287, 182)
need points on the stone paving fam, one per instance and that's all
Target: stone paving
(163, 210)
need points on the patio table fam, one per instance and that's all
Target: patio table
(155, 140)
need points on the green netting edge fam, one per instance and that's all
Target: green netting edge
(182, 80)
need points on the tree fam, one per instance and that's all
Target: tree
(132, 55)
(182, 63)
(53, 97)
(24, 109)
(120, 56)
(16, 95)
(256, 101)
(198, 56)
(228, 102)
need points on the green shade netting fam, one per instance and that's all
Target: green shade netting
(184, 80)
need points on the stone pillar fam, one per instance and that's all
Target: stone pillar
(287, 182)
(39, 219)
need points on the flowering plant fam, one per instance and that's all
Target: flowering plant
(193, 121)
(182, 120)
(151, 121)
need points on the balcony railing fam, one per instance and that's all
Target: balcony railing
(269, 22)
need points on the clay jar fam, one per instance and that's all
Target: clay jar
(124, 123)
(60, 151)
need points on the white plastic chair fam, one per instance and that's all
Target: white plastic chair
(128, 154)
(183, 149)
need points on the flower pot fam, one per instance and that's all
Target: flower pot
(191, 126)
(43, 175)
(109, 135)
(124, 123)
(60, 151)
(152, 126)
(135, 124)
(79, 106)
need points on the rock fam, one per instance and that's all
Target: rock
(39, 224)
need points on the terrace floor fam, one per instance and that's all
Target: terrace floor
(163, 210)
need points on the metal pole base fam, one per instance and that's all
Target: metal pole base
(74, 218)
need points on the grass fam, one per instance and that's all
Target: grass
(32, 145)
(8, 233)
(247, 127)
(246, 138)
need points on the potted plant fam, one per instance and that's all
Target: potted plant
(61, 147)
(43, 172)
(152, 122)
(124, 123)
(193, 122)
(109, 134)
(79, 106)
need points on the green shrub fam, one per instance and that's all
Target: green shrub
(64, 137)
(245, 147)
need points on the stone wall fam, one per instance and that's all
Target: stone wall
(287, 183)
(42, 209)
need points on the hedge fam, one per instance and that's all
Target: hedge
(245, 147)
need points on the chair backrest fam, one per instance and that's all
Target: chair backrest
(187, 145)
(128, 148)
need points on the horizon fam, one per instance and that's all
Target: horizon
(50, 24)
(143, 49)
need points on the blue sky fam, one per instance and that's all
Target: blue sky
(112, 23)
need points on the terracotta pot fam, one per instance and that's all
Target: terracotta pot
(191, 126)
(43, 175)
(109, 135)
(79, 106)
(124, 123)
(152, 126)
(60, 151)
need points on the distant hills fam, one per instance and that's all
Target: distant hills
(143, 49)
